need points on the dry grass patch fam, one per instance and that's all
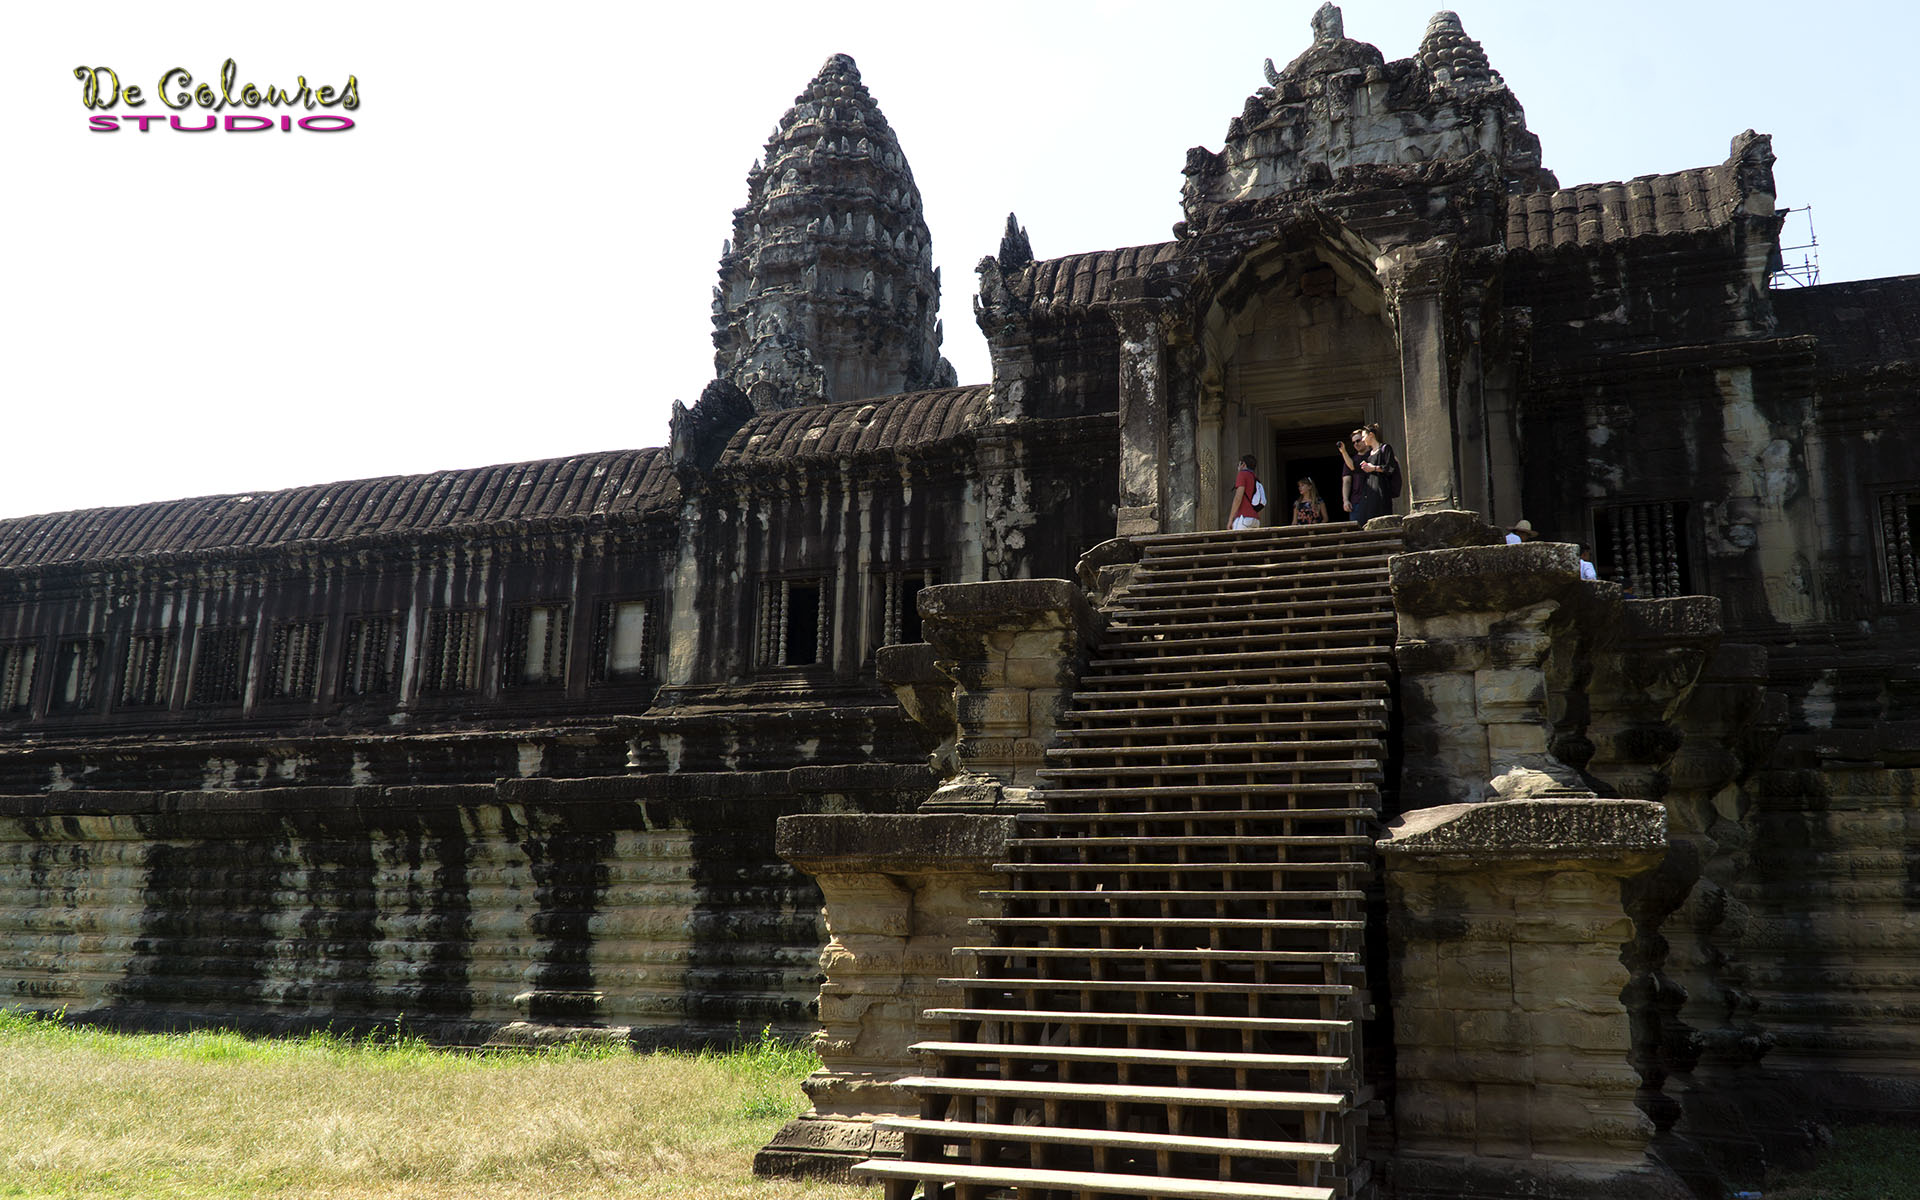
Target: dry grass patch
(94, 1114)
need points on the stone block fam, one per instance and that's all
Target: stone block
(1435, 1111)
(1509, 694)
(1503, 1119)
(1515, 742)
(1479, 971)
(1497, 1029)
(1439, 698)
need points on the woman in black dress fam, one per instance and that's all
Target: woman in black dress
(1371, 487)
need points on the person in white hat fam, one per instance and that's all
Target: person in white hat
(1522, 531)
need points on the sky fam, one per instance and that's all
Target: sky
(511, 255)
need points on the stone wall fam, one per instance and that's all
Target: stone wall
(651, 908)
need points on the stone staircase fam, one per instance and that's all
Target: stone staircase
(1170, 1004)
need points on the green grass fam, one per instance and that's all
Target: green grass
(1867, 1162)
(93, 1114)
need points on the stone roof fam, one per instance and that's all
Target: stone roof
(604, 484)
(855, 427)
(1592, 214)
(1866, 322)
(1080, 280)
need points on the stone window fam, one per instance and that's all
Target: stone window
(76, 676)
(219, 667)
(1643, 547)
(536, 649)
(1899, 548)
(371, 663)
(146, 671)
(293, 661)
(16, 676)
(899, 614)
(450, 657)
(795, 625)
(623, 641)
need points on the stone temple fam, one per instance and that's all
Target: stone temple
(1147, 859)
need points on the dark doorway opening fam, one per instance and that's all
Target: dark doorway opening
(1307, 454)
(803, 624)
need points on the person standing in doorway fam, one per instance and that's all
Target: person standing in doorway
(1378, 481)
(1246, 486)
(1350, 469)
(1308, 507)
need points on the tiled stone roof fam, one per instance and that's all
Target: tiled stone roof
(1591, 214)
(612, 482)
(1078, 280)
(857, 426)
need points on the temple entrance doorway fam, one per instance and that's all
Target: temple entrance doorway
(1306, 451)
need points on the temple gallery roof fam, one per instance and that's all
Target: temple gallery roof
(1078, 280)
(1690, 201)
(1867, 322)
(611, 483)
(816, 431)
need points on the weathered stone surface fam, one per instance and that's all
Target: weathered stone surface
(1628, 831)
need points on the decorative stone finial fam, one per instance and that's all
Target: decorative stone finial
(1015, 250)
(1455, 61)
(1328, 25)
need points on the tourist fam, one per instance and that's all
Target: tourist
(1309, 508)
(1248, 497)
(1586, 563)
(1379, 479)
(1349, 469)
(1522, 531)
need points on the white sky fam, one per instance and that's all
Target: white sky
(512, 255)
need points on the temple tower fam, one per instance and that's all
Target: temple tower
(827, 288)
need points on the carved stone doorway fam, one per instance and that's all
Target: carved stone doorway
(1306, 451)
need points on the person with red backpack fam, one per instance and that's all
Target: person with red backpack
(1249, 497)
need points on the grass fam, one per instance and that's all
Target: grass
(1867, 1162)
(211, 1115)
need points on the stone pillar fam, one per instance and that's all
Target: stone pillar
(899, 892)
(1013, 649)
(1419, 284)
(1510, 1037)
(999, 668)
(1474, 649)
(1144, 415)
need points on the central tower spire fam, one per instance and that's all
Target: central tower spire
(827, 289)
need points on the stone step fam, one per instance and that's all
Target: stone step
(1299, 714)
(1034, 1181)
(1196, 814)
(1131, 1056)
(1124, 1094)
(1346, 867)
(1208, 615)
(1014, 983)
(1144, 1020)
(1115, 954)
(1332, 895)
(1315, 924)
(1235, 641)
(1251, 592)
(1363, 685)
(1233, 650)
(1241, 660)
(1253, 553)
(1268, 745)
(1271, 677)
(1146, 1143)
(1365, 769)
(1194, 841)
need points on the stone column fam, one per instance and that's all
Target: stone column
(1013, 649)
(1144, 447)
(1512, 1074)
(989, 686)
(1419, 282)
(899, 892)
